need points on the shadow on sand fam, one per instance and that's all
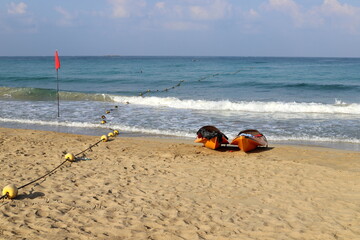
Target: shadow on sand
(237, 149)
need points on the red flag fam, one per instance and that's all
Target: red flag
(57, 60)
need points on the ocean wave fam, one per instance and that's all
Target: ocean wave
(303, 86)
(53, 123)
(124, 128)
(312, 139)
(170, 133)
(31, 94)
(178, 133)
(41, 94)
(37, 94)
(275, 138)
(327, 87)
(27, 79)
(338, 107)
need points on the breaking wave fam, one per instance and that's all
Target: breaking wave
(338, 107)
(40, 94)
(37, 94)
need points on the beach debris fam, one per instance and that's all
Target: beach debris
(70, 157)
(10, 191)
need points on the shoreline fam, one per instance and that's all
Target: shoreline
(151, 188)
(95, 132)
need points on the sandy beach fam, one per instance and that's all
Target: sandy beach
(144, 188)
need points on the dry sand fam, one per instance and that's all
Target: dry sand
(135, 188)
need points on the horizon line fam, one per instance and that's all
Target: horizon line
(199, 56)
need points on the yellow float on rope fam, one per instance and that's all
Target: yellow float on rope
(10, 191)
(104, 138)
(70, 157)
(107, 112)
(103, 122)
(116, 132)
(110, 134)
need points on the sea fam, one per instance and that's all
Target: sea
(295, 101)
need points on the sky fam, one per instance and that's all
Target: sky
(289, 28)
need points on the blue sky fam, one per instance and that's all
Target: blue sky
(324, 28)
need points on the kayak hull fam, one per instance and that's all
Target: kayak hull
(246, 144)
(250, 140)
(212, 143)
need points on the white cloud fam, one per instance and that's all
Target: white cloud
(127, 8)
(339, 15)
(288, 7)
(120, 8)
(160, 5)
(19, 8)
(183, 25)
(251, 14)
(247, 21)
(187, 14)
(212, 10)
(334, 7)
(18, 20)
(284, 5)
(66, 19)
(330, 13)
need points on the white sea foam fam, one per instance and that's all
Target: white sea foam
(313, 139)
(52, 123)
(338, 107)
(177, 133)
(124, 128)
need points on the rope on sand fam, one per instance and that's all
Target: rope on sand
(11, 191)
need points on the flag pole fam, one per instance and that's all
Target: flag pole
(57, 66)
(57, 92)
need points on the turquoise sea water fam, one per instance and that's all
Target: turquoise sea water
(313, 101)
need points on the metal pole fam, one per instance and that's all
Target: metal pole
(57, 92)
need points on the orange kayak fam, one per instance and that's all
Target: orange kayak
(211, 137)
(212, 143)
(250, 139)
